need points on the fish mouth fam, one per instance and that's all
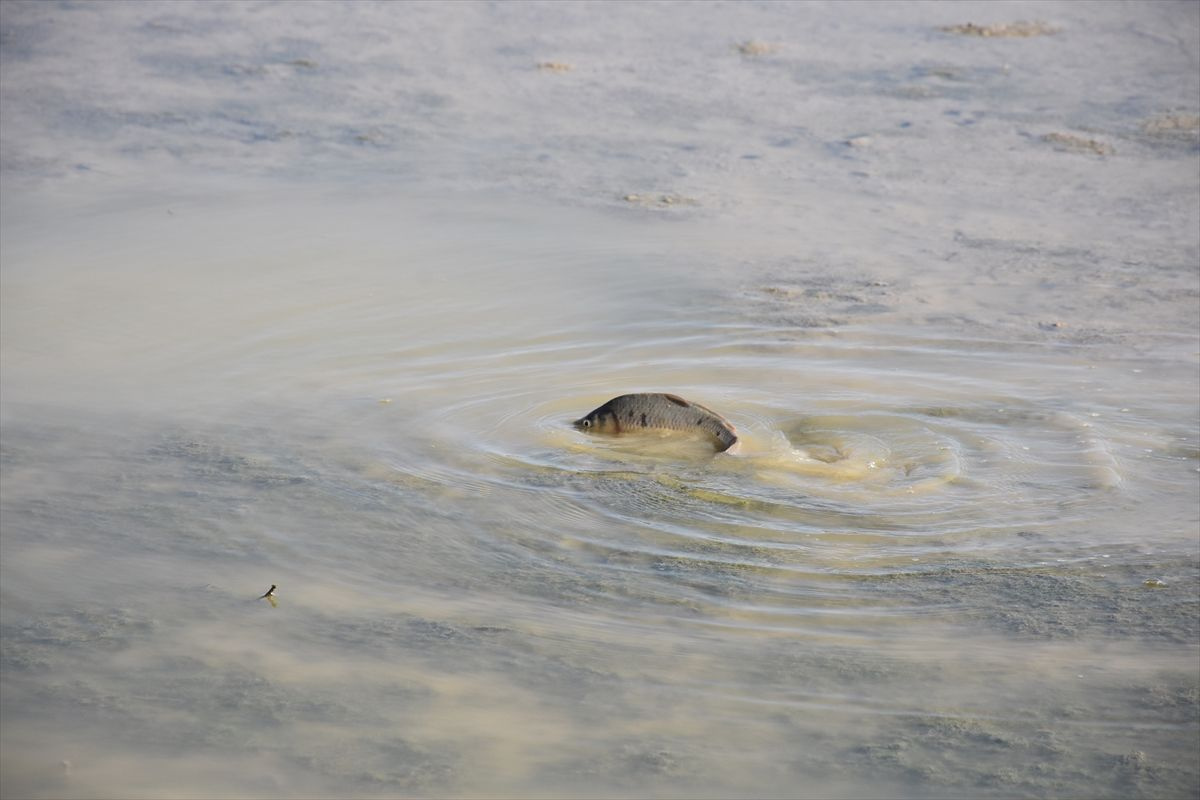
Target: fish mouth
(578, 423)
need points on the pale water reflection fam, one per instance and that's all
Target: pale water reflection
(957, 555)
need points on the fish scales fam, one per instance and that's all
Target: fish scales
(650, 411)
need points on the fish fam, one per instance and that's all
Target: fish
(655, 411)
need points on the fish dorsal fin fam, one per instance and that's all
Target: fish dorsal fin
(677, 400)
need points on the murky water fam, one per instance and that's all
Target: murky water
(958, 555)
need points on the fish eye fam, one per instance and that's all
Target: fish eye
(587, 423)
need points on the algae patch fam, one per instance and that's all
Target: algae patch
(1008, 30)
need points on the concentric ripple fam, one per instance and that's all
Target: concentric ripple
(864, 484)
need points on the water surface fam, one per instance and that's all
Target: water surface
(957, 557)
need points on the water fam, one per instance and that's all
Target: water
(315, 310)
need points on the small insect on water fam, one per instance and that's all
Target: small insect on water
(270, 596)
(655, 411)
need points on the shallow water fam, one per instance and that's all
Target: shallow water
(970, 421)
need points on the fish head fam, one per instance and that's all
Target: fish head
(602, 420)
